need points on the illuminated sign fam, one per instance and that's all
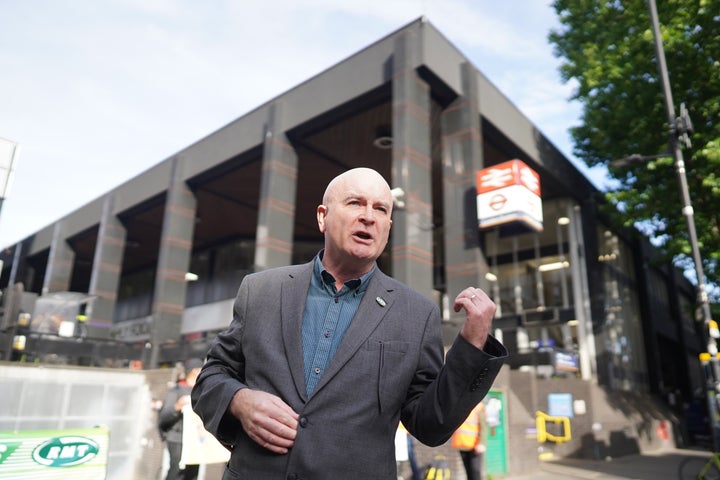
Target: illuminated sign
(507, 194)
(567, 362)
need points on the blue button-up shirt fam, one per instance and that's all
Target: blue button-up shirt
(328, 314)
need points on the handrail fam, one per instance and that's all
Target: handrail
(541, 420)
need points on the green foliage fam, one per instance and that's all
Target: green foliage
(608, 48)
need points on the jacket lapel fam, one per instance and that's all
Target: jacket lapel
(293, 295)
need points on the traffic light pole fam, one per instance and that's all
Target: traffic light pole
(680, 127)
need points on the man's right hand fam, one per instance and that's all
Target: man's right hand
(266, 419)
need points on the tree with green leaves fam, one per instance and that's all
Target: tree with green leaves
(608, 48)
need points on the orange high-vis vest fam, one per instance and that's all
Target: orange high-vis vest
(467, 436)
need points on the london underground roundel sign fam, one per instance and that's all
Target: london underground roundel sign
(509, 193)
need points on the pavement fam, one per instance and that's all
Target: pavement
(658, 465)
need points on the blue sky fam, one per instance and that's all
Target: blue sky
(97, 91)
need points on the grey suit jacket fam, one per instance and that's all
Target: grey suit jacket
(389, 367)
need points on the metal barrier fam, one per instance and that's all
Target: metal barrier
(53, 400)
(541, 421)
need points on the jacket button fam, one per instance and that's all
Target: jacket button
(303, 422)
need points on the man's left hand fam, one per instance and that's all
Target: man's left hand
(480, 311)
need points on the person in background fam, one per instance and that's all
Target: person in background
(414, 468)
(405, 451)
(470, 439)
(171, 425)
(322, 360)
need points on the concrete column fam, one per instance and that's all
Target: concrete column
(465, 262)
(173, 262)
(18, 258)
(582, 284)
(276, 214)
(12, 293)
(412, 231)
(107, 266)
(60, 263)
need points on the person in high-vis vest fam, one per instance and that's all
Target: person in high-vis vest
(470, 439)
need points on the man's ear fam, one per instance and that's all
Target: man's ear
(321, 213)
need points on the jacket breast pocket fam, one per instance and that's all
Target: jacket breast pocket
(393, 374)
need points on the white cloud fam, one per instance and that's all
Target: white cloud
(97, 91)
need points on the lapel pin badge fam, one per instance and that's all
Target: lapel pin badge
(380, 301)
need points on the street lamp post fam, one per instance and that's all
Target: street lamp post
(681, 128)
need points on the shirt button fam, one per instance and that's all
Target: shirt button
(327, 334)
(317, 370)
(303, 422)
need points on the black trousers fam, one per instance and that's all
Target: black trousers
(473, 463)
(190, 472)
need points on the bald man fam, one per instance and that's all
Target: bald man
(322, 360)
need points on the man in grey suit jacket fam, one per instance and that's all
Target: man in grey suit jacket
(321, 361)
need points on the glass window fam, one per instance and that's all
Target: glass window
(135, 295)
(531, 281)
(219, 271)
(621, 335)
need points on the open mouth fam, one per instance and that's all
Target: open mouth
(363, 235)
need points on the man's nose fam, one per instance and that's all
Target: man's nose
(368, 214)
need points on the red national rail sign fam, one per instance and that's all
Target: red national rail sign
(509, 193)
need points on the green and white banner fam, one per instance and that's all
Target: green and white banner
(79, 454)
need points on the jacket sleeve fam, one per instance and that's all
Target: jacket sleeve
(435, 409)
(222, 375)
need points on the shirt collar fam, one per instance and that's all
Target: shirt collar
(325, 278)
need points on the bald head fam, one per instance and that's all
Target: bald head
(349, 179)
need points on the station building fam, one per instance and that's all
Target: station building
(160, 258)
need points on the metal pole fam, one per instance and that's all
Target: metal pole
(687, 209)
